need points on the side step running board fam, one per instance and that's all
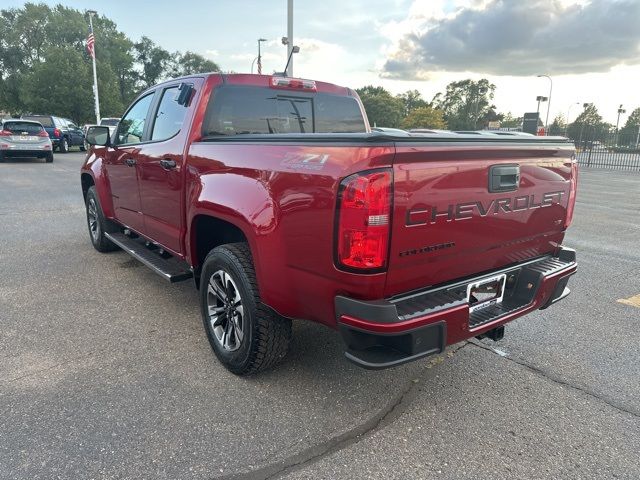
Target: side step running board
(170, 269)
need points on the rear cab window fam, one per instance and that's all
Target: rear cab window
(238, 110)
(43, 120)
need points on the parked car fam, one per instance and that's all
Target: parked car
(277, 199)
(24, 138)
(63, 132)
(111, 122)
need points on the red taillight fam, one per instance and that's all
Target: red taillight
(364, 216)
(573, 188)
(43, 133)
(293, 83)
(56, 133)
(5, 133)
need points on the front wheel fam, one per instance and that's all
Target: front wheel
(98, 224)
(245, 334)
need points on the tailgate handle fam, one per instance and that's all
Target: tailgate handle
(504, 178)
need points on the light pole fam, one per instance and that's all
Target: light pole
(620, 110)
(539, 99)
(566, 127)
(546, 123)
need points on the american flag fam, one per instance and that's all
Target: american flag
(91, 43)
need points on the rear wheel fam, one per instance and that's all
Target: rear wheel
(64, 145)
(245, 334)
(49, 157)
(97, 224)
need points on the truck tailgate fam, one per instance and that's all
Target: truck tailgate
(447, 224)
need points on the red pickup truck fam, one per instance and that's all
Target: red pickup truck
(273, 194)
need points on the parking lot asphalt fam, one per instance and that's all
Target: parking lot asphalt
(106, 371)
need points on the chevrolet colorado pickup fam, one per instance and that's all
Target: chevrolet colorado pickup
(273, 194)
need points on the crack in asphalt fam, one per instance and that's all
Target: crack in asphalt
(560, 381)
(393, 410)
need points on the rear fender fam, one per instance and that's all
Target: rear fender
(242, 202)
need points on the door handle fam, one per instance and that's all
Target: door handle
(168, 164)
(504, 178)
(130, 162)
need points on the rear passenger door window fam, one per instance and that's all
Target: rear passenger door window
(131, 127)
(169, 116)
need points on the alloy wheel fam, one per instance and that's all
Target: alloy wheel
(226, 311)
(92, 218)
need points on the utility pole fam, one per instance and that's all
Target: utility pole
(539, 99)
(92, 50)
(289, 72)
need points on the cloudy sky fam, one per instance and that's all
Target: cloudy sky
(591, 48)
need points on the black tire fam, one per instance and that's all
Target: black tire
(101, 225)
(49, 157)
(265, 334)
(1, 157)
(64, 145)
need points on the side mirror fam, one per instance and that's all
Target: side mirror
(98, 135)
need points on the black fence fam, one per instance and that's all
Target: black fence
(597, 149)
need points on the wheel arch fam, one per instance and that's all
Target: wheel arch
(92, 174)
(208, 231)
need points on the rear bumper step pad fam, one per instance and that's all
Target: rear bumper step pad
(389, 332)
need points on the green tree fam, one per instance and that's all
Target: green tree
(191, 63)
(411, 99)
(155, 61)
(424, 117)
(383, 109)
(558, 126)
(35, 34)
(70, 95)
(509, 121)
(589, 115)
(465, 102)
(585, 124)
(629, 133)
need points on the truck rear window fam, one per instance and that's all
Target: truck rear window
(44, 120)
(237, 110)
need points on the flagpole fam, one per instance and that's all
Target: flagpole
(95, 76)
